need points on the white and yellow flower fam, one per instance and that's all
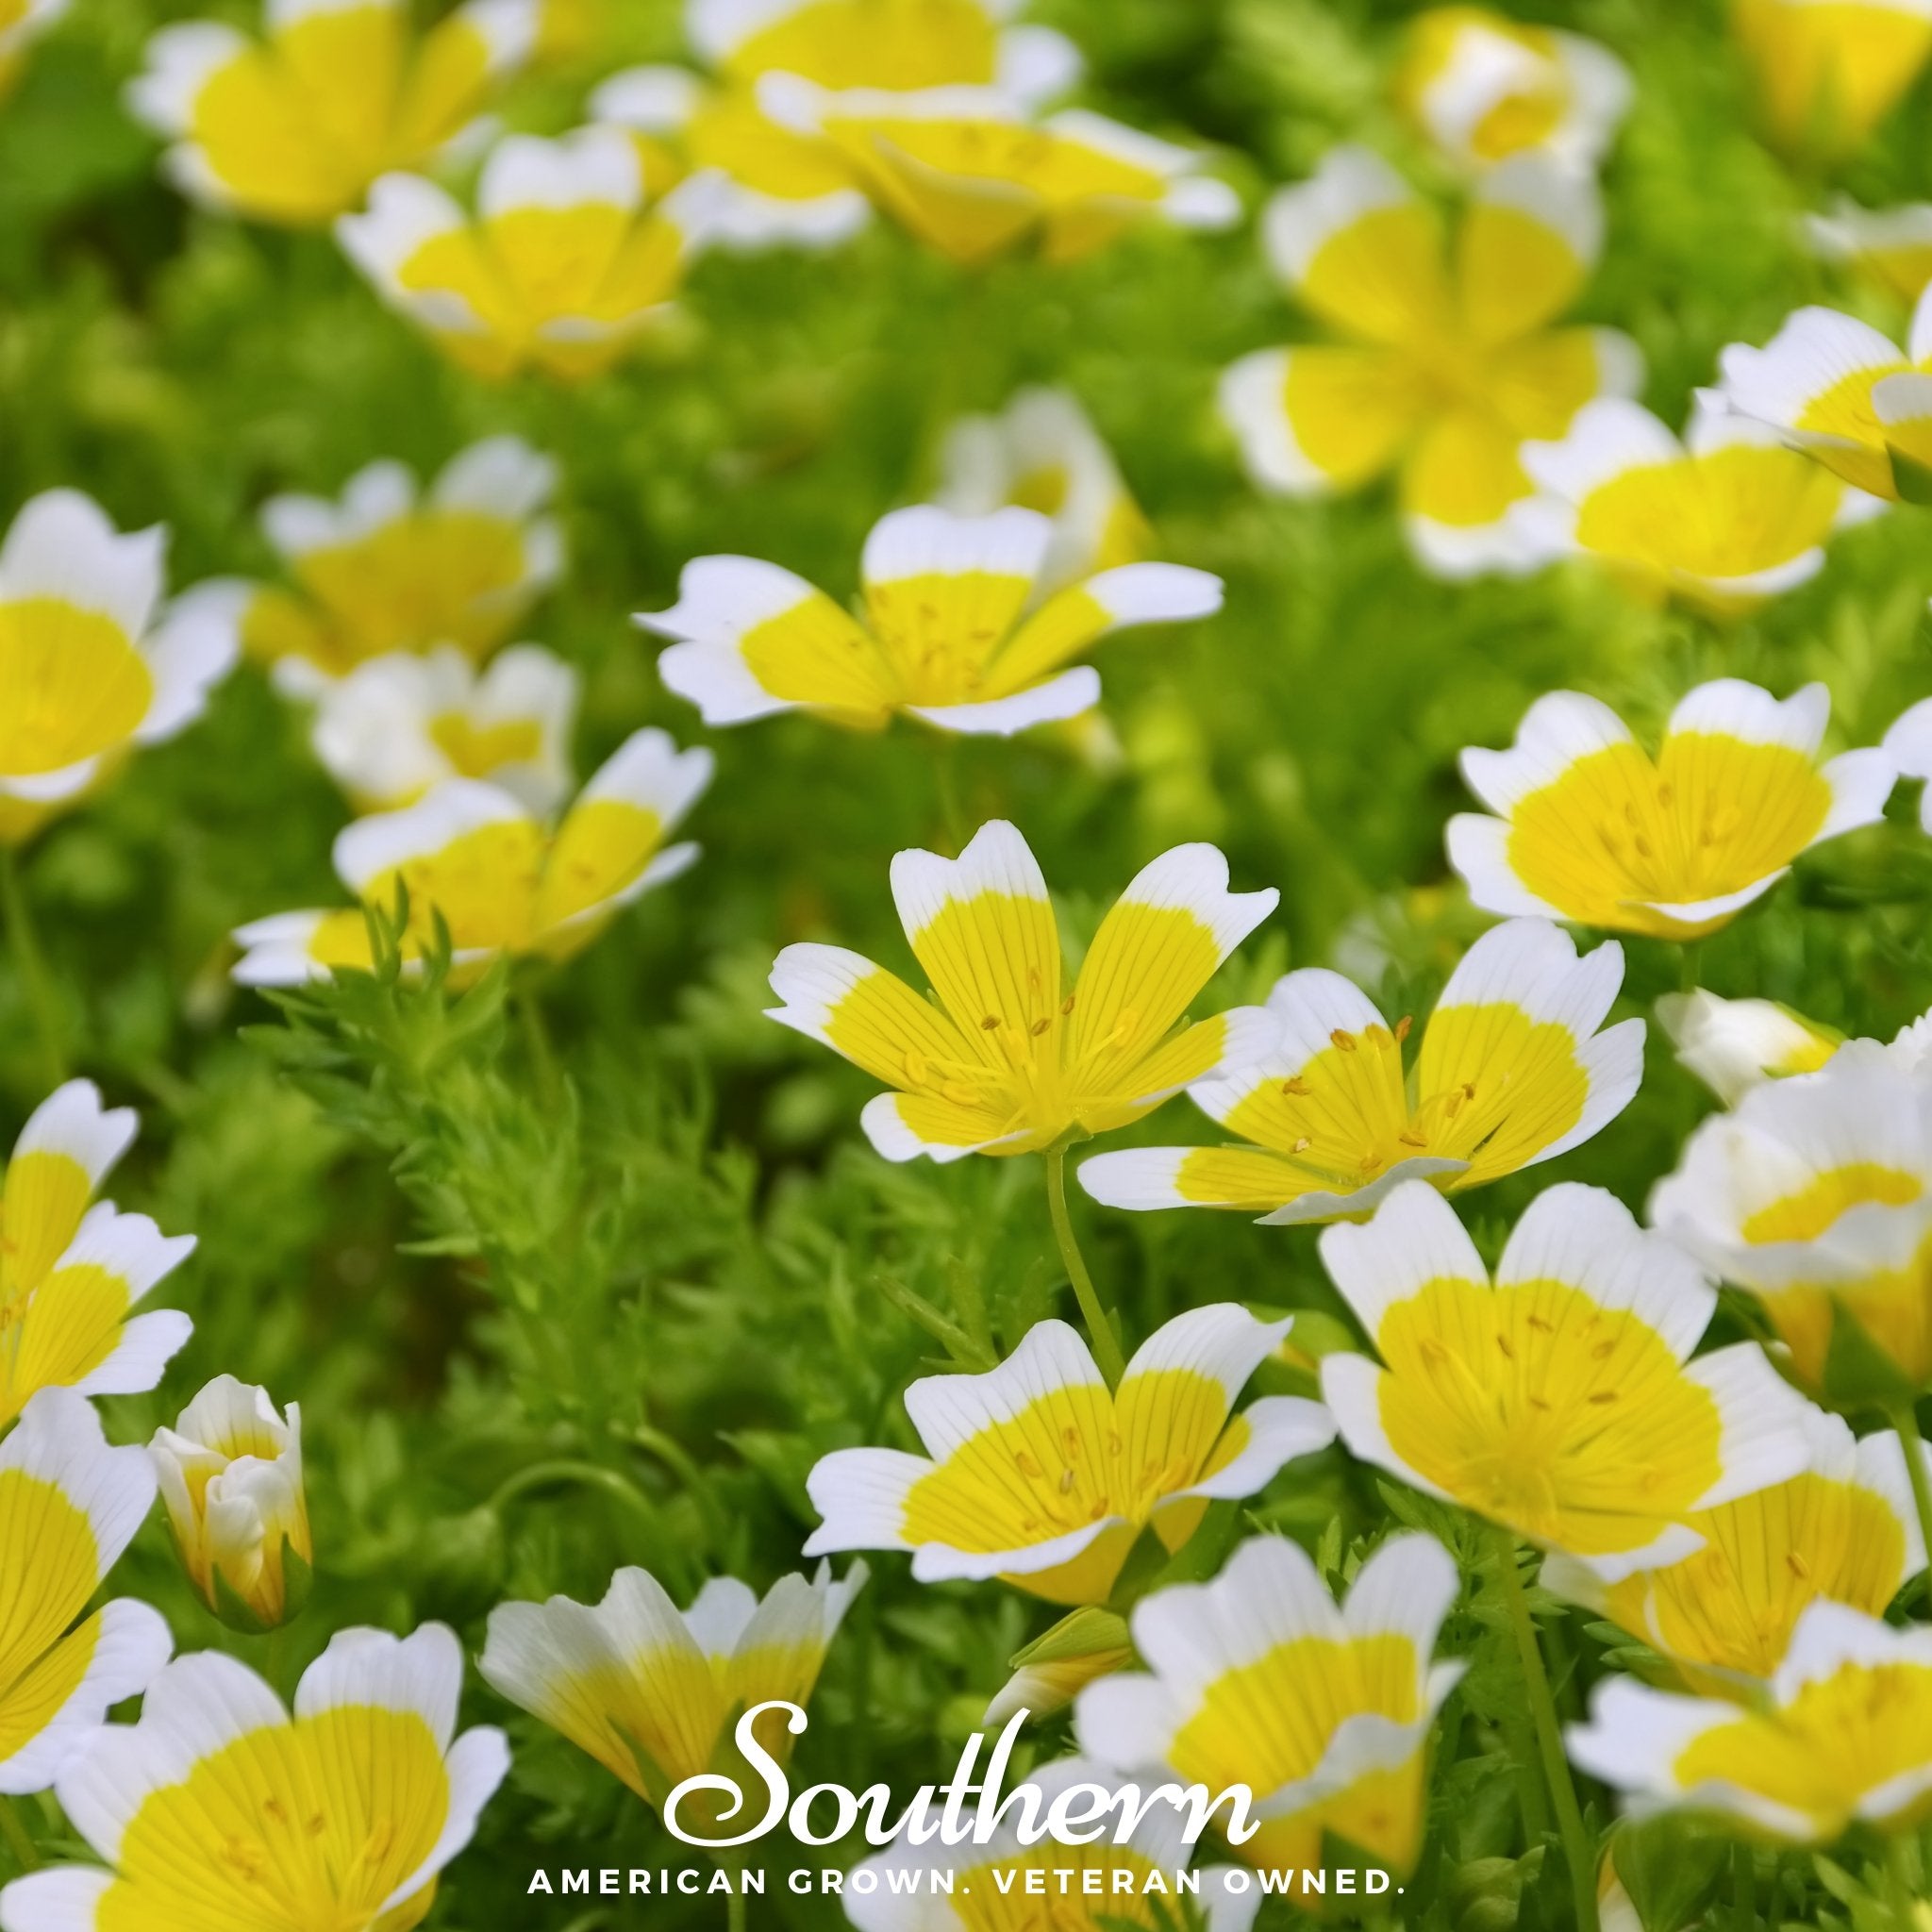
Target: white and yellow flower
(956, 631)
(1890, 246)
(1484, 87)
(91, 665)
(560, 267)
(1844, 1530)
(1815, 1194)
(1035, 1472)
(1826, 74)
(69, 1505)
(474, 858)
(1323, 1711)
(71, 1272)
(220, 1809)
(1448, 358)
(1726, 520)
(1845, 1740)
(1560, 1400)
(230, 1475)
(1042, 453)
(1731, 1045)
(1004, 1060)
(1079, 1888)
(654, 1693)
(399, 725)
(22, 23)
(389, 567)
(293, 127)
(787, 187)
(973, 172)
(1514, 1067)
(1837, 389)
(1589, 827)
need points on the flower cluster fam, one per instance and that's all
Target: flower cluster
(1699, 1429)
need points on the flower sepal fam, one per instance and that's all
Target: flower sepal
(1486, 1895)
(1858, 1374)
(233, 1612)
(1151, 1565)
(1053, 1669)
(1911, 478)
(1671, 1867)
(655, 1782)
(1082, 1633)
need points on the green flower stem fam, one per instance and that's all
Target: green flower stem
(1744, 1887)
(1106, 1351)
(945, 772)
(1578, 1853)
(1905, 1418)
(32, 967)
(734, 1909)
(19, 1841)
(274, 1663)
(589, 1476)
(542, 1057)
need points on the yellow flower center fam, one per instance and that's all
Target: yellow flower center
(303, 1827)
(1838, 1739)
(1529, 1404)
(75, 686)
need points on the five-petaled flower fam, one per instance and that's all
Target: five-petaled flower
(69, 1505)
(1041, 453)
(559, 269)
(71, 1272)
(473, 857)
(230, 1472)
(1589, 827)
(1449, 359)
(1005, 1061)
(956, 631)
(1724, 519)
(1512, 1069)
(973, 172)
(295, 127)
(221, 1809)
(1560, 1400)
(1815, 1194)
(388, 567)
(397, 727)
(1731, 1045)
(1828, 75)
(654, 1693)
(782, 186)
(1037, 1473)
(1483, 87)
(1324, 1710)
(1837, 389)
(1844, 1738)
(90, 666)
(1845, 1529)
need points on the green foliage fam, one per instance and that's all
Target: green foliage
(587, 1269)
